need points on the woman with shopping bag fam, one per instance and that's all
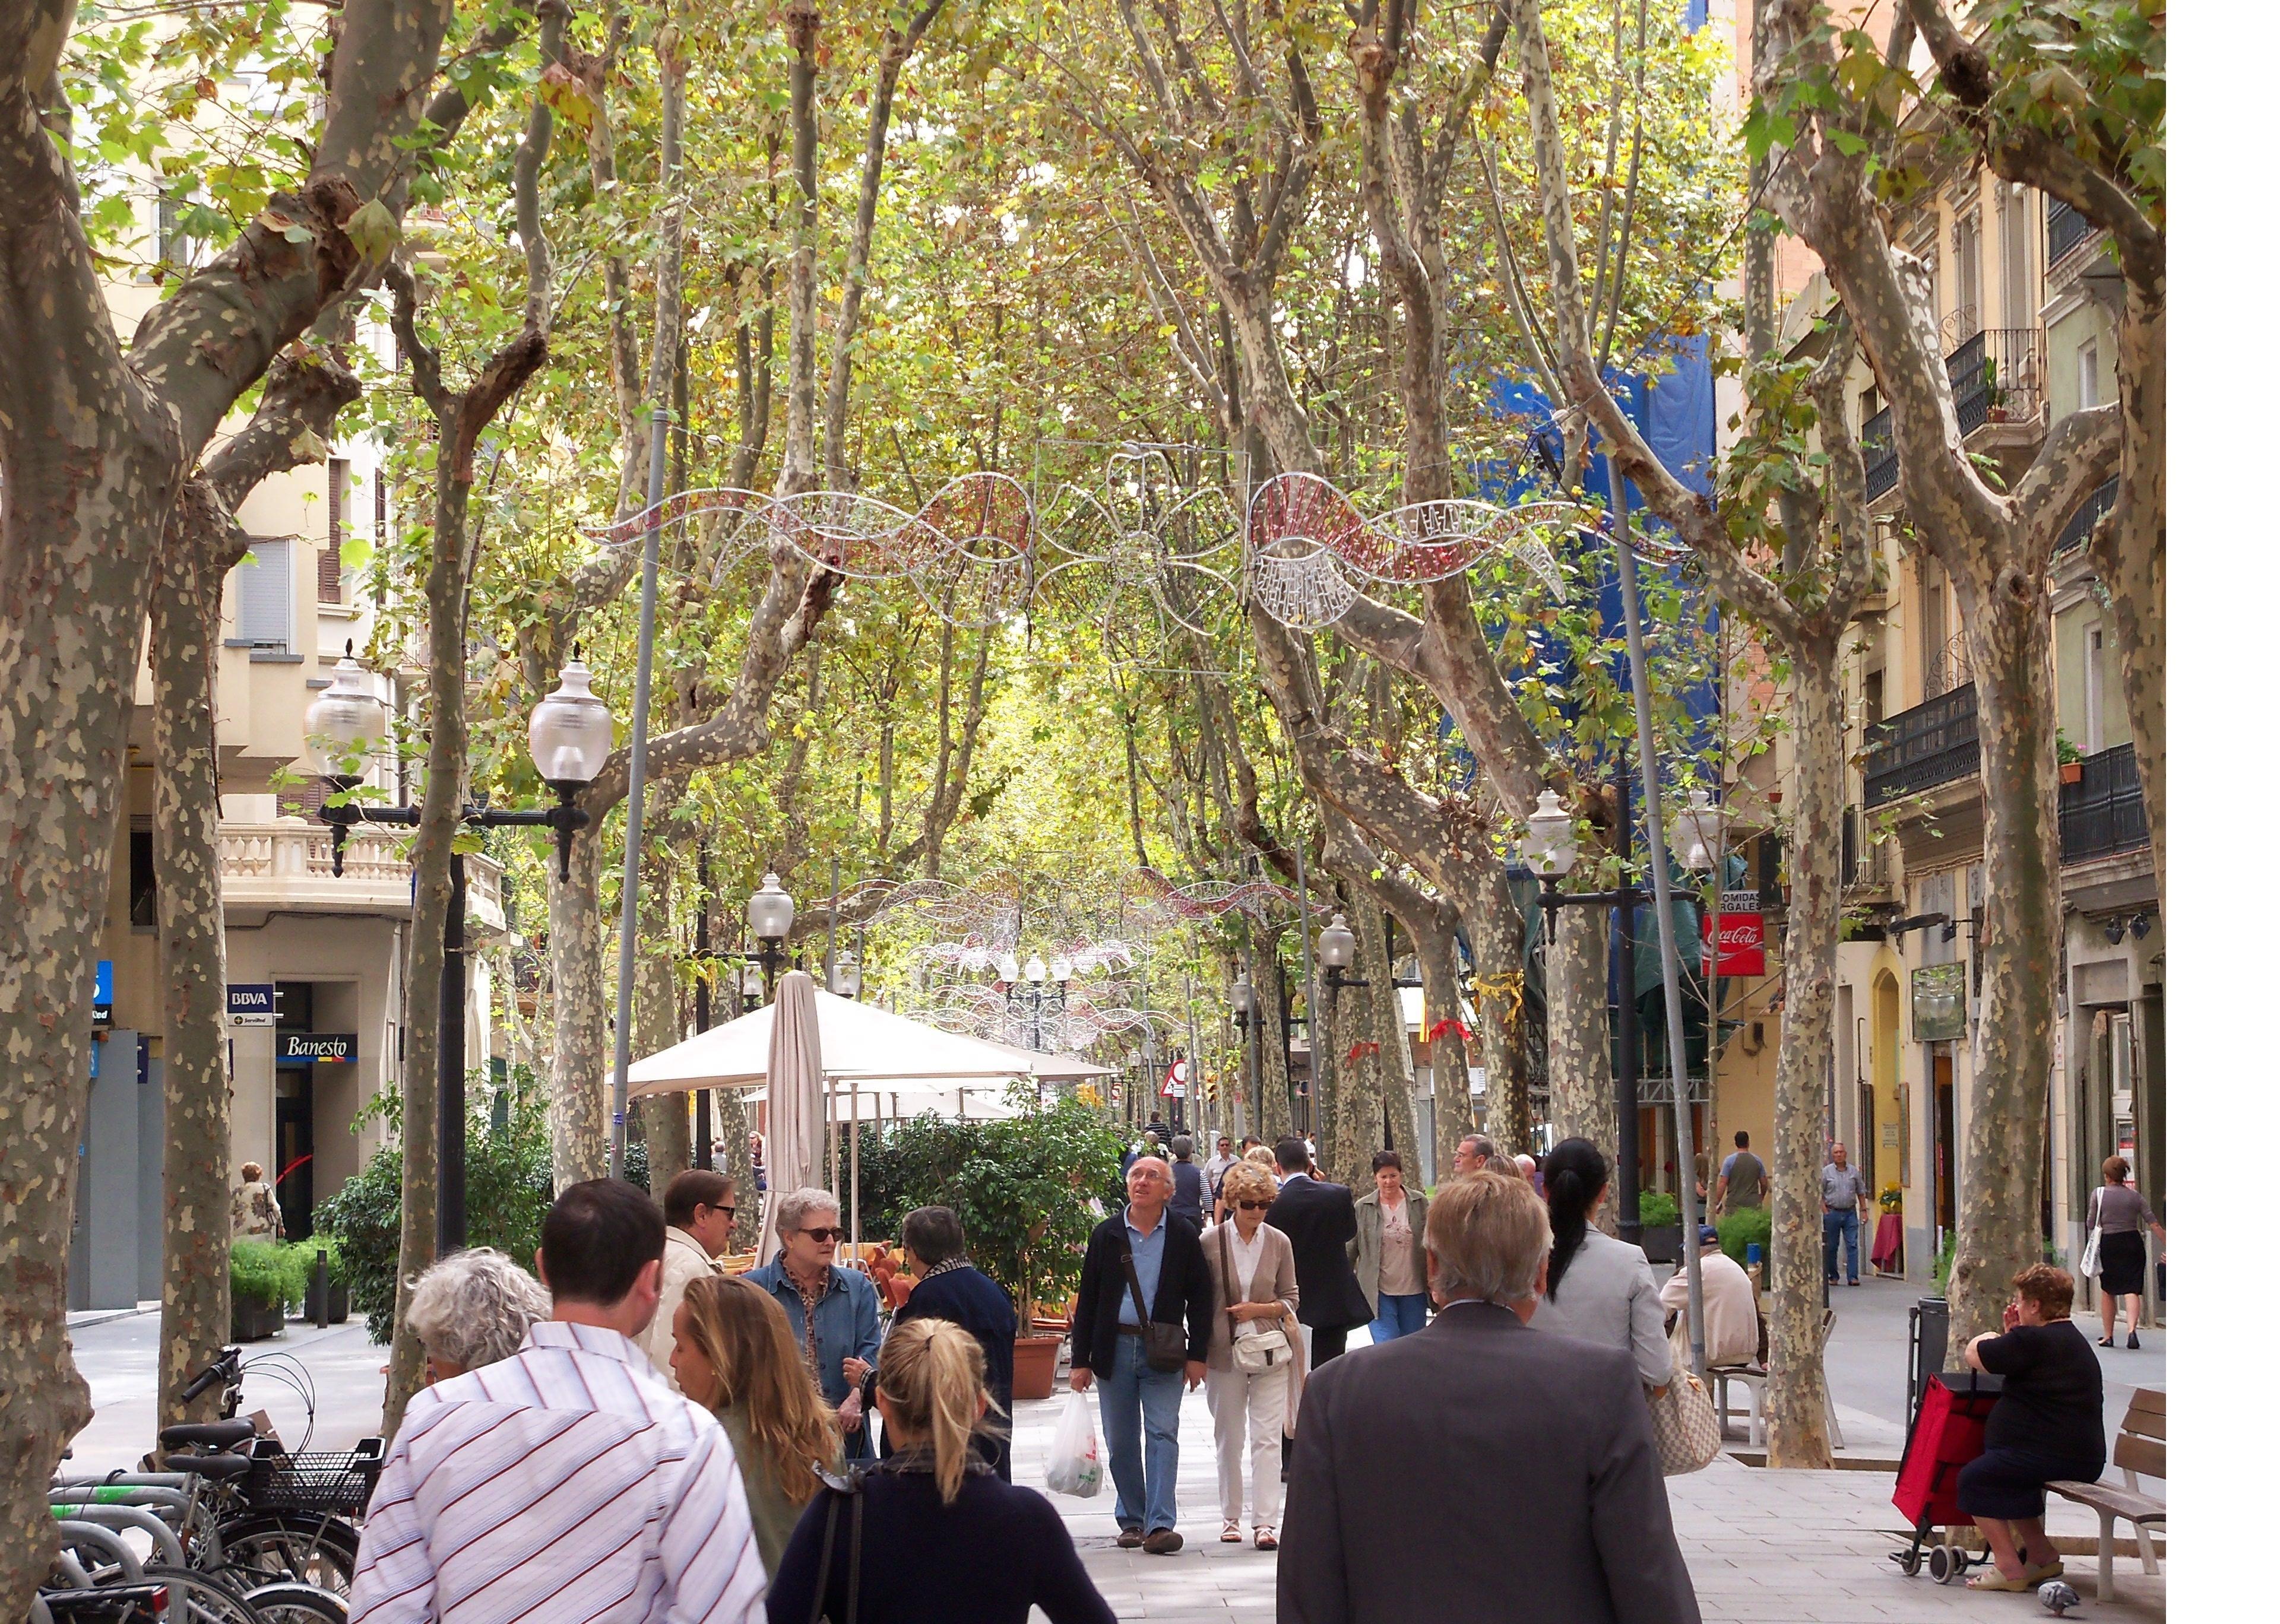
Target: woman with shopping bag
(1250, 1378)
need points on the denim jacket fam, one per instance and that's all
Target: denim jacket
(846, 1320)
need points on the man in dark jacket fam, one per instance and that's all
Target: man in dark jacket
(1319, 1218)
(1397, 1515)
(1188, 1194)
(950, 1288)
(1143, 1264)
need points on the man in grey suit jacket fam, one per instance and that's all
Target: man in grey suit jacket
(1480, 1469)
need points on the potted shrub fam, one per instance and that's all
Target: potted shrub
(2069, 761)
(334, 1309)
(1027, 1196)
(263, 1276)
(1743, 1227)
(1659, 1237)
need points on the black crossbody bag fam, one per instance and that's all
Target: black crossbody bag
(1166, 1346)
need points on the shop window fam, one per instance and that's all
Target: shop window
(142, 880)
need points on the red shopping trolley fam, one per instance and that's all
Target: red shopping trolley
(1948, 1434)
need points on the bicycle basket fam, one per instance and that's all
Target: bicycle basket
(335, 1480)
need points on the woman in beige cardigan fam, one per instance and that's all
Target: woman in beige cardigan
(1253, 1281)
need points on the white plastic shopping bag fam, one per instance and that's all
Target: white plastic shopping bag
(1072, 1463)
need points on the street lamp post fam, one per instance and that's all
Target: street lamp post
(1549, 851)
(1245, 998)
(570, 732)
(770, 914)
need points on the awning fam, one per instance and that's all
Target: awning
(861, 1042)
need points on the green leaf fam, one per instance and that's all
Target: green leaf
(374, 231)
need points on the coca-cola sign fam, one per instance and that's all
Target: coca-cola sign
(1740, 944)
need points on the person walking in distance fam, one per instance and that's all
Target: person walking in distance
(1254, 1304)
(1143, 1283)
(834, 1310)
(1473, 1153)
(253, 1212)
(1189, 1197)
(1402, 1509)
(1844, 1209)
(929, 1537)
(950, 1288)
(700, 1209)
(1742, 1180)
(567, 1483)
(1389, 1252)
(733, 1353)
(1216, 1168)
(2120, 1217)
(1319, 1217)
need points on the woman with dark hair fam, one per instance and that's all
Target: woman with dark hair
(950, 1288)
(733, 1353)
(2121, 1217)
(930, 1535)
(1599, 1289)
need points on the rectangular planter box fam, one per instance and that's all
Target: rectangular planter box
(1662, 1243)
(254, 1321)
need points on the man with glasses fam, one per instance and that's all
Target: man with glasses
(699, 1209)
(834, 1310)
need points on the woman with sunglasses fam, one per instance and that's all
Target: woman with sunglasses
(834, 1310)
(1251, 1385)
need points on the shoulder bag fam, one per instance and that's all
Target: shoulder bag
(1686, 1433)
(1166, 1346)
(2091, 1262)
(1259, 1346)
(840, 1490)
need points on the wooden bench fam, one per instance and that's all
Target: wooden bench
(2140, 1446)
(1724, 1378)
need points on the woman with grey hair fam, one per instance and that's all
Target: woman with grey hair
(834, 1310)
(473, 1309)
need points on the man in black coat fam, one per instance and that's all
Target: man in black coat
(1189, 1196)
(1167, 1273)
(950, 1288)
(1398, 1514)
(1319, 1218)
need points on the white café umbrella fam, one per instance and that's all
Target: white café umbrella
(861, 1042)
(795, 1119)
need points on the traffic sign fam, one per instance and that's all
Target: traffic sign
(1175, 1081)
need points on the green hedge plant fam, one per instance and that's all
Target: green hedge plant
(1658, 1209)
(269, 1272)
(1742, 1227)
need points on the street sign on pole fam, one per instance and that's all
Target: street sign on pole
(1175, 1081)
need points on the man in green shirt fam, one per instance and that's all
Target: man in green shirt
(1742, 1180)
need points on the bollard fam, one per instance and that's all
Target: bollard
(318, 1310)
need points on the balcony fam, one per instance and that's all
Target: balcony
(286, 866)
(1998, 376)
(1880, 458)
(1936, 744)
(2085, 519)
(2104, 815)
(2065, 227)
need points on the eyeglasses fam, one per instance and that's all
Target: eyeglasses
(1254, 1207)
(827, 1232)
(731, 1212)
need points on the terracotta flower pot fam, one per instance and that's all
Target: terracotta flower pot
(1034, 1361)
(2069, 771)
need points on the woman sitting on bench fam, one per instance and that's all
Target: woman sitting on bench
(2048, 1425)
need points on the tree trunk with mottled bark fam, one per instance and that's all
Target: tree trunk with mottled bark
(1581, 1076)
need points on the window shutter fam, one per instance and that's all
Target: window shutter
(336, 503)
(265, 595)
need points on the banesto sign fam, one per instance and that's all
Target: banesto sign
(322, 1046)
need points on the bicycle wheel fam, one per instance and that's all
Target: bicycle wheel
(294, 1602)
(299, 1545)
(204, 1599)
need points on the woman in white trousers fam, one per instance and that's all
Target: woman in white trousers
(1254, 1295)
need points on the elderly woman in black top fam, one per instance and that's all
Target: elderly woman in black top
(2048, 1427)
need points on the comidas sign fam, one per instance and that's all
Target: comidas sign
(1740, 944)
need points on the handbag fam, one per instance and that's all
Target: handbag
(1165, 1346)
(2091, 1261)
(1257, 1346)
(1686, 1435)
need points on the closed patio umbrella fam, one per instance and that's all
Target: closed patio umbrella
(796, 1118)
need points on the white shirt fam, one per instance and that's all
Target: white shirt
(565, 1484)
(1246, 1254)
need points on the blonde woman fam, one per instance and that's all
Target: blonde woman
(1254, 1283)
(943, 1539)
(733, 1353)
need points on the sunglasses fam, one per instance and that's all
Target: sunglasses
(710, 1206)
(827, 1232)
(1254, 1207)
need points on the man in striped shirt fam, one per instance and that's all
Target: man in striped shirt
(566, 1485)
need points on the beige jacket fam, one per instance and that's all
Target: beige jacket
(684, 1262)
(1276, 1279)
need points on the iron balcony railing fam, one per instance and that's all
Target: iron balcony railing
(1997, 374)
(1880, 458)
(1936, 744)
(2066, 227)
(2105, 814)
(2085, 519)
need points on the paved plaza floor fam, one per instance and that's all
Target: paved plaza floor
(1764, 1547)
